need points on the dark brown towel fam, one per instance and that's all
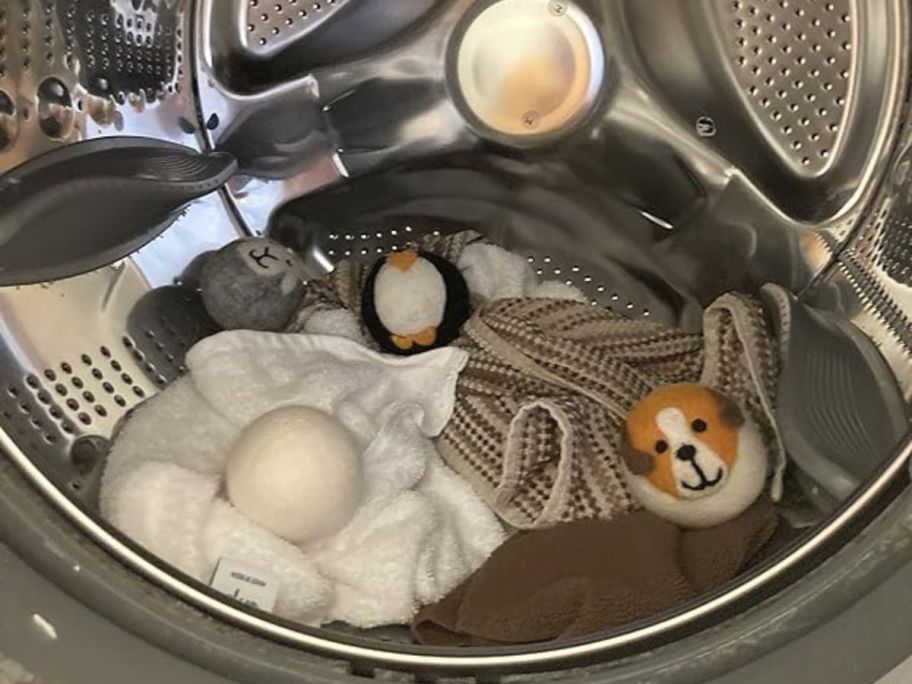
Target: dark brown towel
(584, 577)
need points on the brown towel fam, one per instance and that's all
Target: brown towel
(541, 403)
(580, 578)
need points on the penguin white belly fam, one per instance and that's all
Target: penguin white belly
(412, 300)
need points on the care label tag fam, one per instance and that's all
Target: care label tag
(254, 586)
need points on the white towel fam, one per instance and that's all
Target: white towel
(420, 530)
(491, 272)
(341, 322)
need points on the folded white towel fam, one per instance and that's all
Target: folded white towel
(341, 322)
(419, 530)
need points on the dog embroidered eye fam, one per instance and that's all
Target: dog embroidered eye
(661, 446)
(698, 425)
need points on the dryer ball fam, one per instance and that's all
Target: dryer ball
(297, 472)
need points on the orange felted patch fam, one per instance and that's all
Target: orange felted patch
(402, 260)
(423, 338)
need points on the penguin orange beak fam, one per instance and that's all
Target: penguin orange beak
(402, 260)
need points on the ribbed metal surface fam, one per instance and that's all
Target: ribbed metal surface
(871, 282)
(895, 246)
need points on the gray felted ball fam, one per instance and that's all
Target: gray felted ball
(253, 284)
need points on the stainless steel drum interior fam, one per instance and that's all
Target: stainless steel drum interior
(770, 138)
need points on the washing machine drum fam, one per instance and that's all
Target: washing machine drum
(652, 154)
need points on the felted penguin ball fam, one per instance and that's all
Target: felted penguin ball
(693, 456)
(414, 301)
(252, 284)
(297, 472)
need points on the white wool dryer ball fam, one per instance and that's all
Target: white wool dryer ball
(297, 472)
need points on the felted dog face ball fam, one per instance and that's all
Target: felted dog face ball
(414, 301)
(692, 456)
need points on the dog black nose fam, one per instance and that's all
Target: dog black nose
(686, 452)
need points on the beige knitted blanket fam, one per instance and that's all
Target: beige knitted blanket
(541, 403)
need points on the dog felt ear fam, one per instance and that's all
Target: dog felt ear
(730, 413)
(638, 462)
